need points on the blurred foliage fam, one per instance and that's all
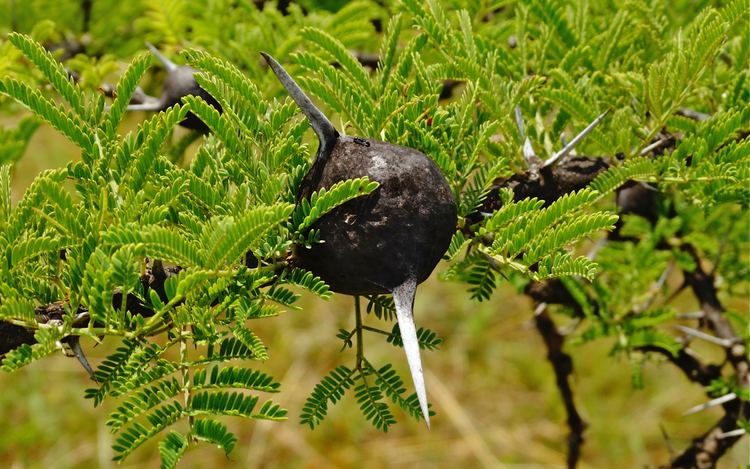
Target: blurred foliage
(148, 194)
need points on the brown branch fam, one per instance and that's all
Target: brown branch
(13, 336)
(693, 368)
(704, 289)
(86, 6)
(706, 450)
(551, 183)
(562, 364)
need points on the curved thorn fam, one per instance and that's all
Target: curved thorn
(323, 128)
(403, 297)
(168, 64)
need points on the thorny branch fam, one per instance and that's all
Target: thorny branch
(13, 336)
(576, 173)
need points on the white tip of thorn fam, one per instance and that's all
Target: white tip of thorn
(403, 297)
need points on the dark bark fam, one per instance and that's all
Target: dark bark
(562, 364)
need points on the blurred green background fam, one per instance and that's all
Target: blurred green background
(493, 390)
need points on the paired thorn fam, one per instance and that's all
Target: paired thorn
(528, 150)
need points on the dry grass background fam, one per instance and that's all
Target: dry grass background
(494, 393)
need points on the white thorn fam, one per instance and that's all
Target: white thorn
(154, 106)
(168, 64)
(691, 315)
(528, 151)
(600, 243)
(648, 186)
(702, 335)
(712, 403)
(519, 121)
(403, 297)
(731, 433)
(540, 308)
(646, 150)
(576, 140)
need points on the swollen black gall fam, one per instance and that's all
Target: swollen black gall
(388, 241)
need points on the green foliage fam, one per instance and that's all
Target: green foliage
(330, 389)
(67, 123)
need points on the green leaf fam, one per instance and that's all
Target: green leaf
(141, 402)
(308, 211)
(213, 431)
(228, 239)
(137, 434)
(69, 125)
(171, 449)
(223, 403)
(251, 341)
(47, 342)
(309, 281)
(235, 377)
(330, 389)
(157, 242)
(53, 70)
(124, 91)
(18, 308)
(375, 411)
(32, 248)
(646, 337)
(393, 386)
(426, 338)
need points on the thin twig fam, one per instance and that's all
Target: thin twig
(667, 441)
(360, 343)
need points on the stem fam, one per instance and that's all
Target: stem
(358, 319)
(374, 329)
(185, 373)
